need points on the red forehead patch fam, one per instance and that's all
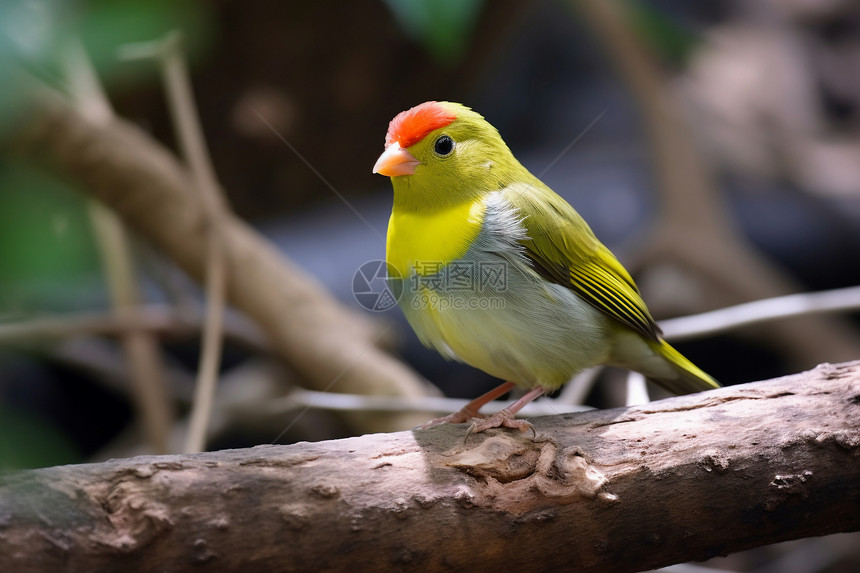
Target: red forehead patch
(410, 126)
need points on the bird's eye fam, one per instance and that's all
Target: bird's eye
(444, 145)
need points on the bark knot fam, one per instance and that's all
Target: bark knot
(519, 475)
(134, 517)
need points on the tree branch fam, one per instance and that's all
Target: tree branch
(627, 489)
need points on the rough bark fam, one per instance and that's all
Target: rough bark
(143, 183)
(628, 489)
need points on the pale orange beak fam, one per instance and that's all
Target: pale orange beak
(395, 161)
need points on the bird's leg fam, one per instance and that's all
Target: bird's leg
(470, 410)
(505, 416)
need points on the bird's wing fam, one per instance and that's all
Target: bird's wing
(562, 249)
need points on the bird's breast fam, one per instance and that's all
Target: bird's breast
(423, 242)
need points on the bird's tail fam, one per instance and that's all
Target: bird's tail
(685, 378)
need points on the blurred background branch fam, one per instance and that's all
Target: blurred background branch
(168, 53)
(154, 195)
(693, 230)
(140, 348)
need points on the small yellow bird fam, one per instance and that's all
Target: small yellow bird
(496, 270)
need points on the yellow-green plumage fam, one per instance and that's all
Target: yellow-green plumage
(564, 250)
(566, 302)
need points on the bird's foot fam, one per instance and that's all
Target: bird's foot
(501, 419)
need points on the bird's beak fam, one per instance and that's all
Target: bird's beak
(395, 161)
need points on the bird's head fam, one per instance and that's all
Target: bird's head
(442, 153)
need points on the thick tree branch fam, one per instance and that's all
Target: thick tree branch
(336, 350)
(627, 489)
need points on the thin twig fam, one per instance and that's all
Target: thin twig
(157, 319)
(299, 399)
(144, 360)
(732, 317)
(168, 52)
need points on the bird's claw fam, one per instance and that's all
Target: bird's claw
(500, 420)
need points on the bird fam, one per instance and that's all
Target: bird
(494, 269)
